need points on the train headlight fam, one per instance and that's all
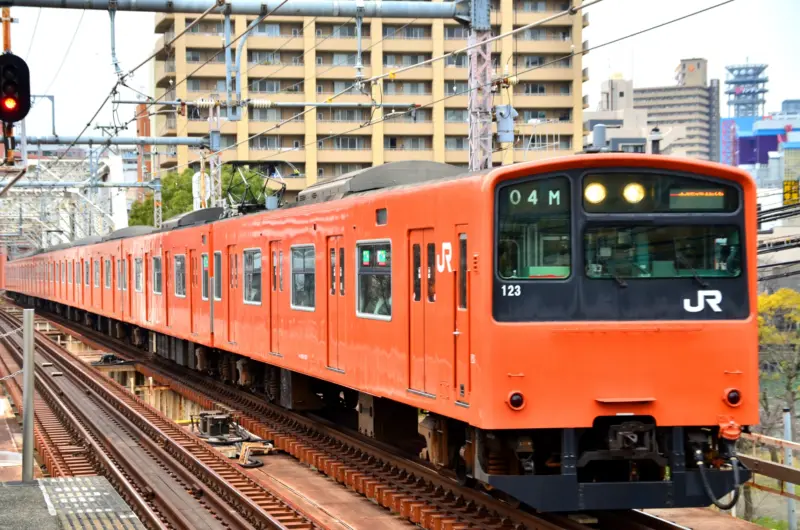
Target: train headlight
(633, 193)
(516, 401)
(595, 193)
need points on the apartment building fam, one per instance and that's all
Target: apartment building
(693, 104)
(292, 59)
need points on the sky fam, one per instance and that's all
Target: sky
(758, 31)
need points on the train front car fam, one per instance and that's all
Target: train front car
(623, 345)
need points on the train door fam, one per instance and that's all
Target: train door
(336, 314)
(461, 333)
(235, 296)
(191, 274)
(276, 288)
(422, 296)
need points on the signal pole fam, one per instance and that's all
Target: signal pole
(8, 128)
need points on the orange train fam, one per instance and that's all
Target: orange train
(579, 333)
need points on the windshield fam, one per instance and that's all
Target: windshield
(534, 229)
(676, 251)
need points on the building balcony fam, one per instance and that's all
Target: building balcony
(456, 73)
(275, 71)
(456, 129)
(339, 44)
(394, 127)
(289, 97)
(520, 155)
(344, 156)
(295, 183)
(523, 18)
(420, 73)
(533, 47)
(397, 45)
(164, 21)
(195, 127)
(460, 101)
(586, 20)
(295, 156)
(164, 73)
(167, 127)
(350, 128)
(566, 128)
(399, 155)
(585, 47)
(167, 160)
(294, 127)
(204, 40)
(585, 74)
(419, 99)
(217, 70)
(461, 156)
(544, 101)
(546, 73)
(283, 42)
(586, 101)
(329, 71)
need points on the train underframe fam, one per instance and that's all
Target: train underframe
(620, 462)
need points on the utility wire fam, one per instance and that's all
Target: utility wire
(66, 53)
(33, 35)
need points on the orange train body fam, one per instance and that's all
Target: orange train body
(405, 293)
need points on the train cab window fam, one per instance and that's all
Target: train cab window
(431, 272)
(108, 274)
(157, 275)
(303, 276)
(674, 251)
(180, 276)
(204, 276)
(252, 276)
(218, 275)
(97, 273)
(533, 229)
(374, 280)
(137, 275)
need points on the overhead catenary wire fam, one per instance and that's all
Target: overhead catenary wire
(66, 52)
(33, 34)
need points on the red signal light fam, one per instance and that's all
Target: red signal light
(9, 103)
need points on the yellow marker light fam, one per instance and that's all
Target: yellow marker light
(595, 193)
(633, 193)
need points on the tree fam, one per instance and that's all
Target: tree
(176, 193)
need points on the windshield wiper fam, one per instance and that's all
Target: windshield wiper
(695, 275)
(620, 281)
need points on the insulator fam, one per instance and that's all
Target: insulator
(260, 103)
(205, 103)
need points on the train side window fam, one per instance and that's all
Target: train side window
(119, 275)
(333, 271)
(78, 273)
(180, 276)
(97, 273)
(462, 271)
(374, 280)
(303, 278)
(218, 275)
(252, 276)
(59, 272)
(123, 267)
(86, 273)
(156, 274)
(274, 271)
(108, 274)
(69, 272)
(417, 257)
(341, 271)
(280, 269)
(431, 264)
(137, 275)
(204, 289)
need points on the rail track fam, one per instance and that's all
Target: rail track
(407, 487)
(171, 479)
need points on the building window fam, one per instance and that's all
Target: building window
(217, 275)
(180, 276)
(303, 270)
(252, 276)
(374, 280)
(157, 275)
(204, 287)
(108, 274)
(97, 273)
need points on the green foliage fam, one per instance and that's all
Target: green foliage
(773, 524)
(176, 193)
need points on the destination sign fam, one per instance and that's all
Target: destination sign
(538, 196)
(697, 199)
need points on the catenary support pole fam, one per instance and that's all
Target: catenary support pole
(27, 395)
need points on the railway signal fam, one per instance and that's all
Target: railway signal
(15, 90)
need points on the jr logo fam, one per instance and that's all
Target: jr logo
(445, 257)
(710, 298)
